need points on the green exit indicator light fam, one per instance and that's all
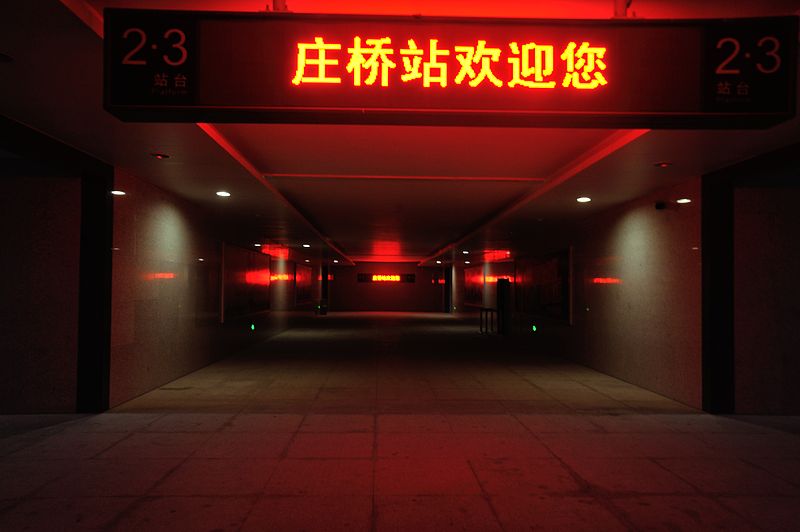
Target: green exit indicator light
(252, 326)
(533, 328)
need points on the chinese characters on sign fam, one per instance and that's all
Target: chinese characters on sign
(373, 60)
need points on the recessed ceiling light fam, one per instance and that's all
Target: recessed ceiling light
(117, 192)
(306, 245)
(160, 156)
(684, 200)
(438, 262)
(466, 262)
(662, 164)
(223, 194)
(336, 261)
(308, 260)
(201, 259)
(584, 199)
(465, 252)
(257, 245)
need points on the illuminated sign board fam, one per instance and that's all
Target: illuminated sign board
(283, 67)
(387, 278)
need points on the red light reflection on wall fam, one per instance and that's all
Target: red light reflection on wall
(276, 251)
(330, 277)
(280, 277)
(606, 280)
(386, 278)
(494, 278)
(257, 277)
(159, 275)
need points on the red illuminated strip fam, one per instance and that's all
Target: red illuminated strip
(280, 277)
(606, 280)
(160, 275)
(495, 278)
(330, 277)
(384, 278)
(257, 277)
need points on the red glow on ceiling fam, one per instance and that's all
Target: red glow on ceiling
(386, 278)
(160, 275)
(496, 255)
(606, 280)
(257, 277)
(386, 248)
(275, 251)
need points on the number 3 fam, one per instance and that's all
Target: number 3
(178, 46)
(776, 44)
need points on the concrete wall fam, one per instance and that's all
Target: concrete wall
(165, 301)
(646, 329)
(767, 300)
(39, 294)
(347, 294)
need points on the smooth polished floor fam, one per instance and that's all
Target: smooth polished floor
(398, 422)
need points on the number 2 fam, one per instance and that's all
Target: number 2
(128, 59)
(721, 68)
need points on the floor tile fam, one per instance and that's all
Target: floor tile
(434, 514)
(628, 475)
(215, 477)
(78, 514)
(244, 445)
(576, 514)
(332, 445)
(330, 513)
(668, 513)
(186, 514)
(425, 477)
(321, 477)
(338, 423)
(524, 476)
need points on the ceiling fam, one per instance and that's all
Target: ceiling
(361, 193)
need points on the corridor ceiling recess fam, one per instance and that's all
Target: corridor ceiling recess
(369, 192)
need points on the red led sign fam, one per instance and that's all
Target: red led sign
(283, 67)
(386, 278)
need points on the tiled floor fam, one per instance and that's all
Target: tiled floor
(391, 423)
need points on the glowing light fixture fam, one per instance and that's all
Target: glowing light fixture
(606, 280)
(257, 245)
(159, 275)
(465, 252)
(306, 245)
(683, 200)
(533, 328)
(280, 277)
(308, 260)
(117, 193)
(160, 156)
(466, 262)
(386, 278)
(584, 199)
(336, 261)
(201, 259)
(223, 194)
(662, 164)
(438, 262)
(252, 326)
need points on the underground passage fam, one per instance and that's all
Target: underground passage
(399, 266)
